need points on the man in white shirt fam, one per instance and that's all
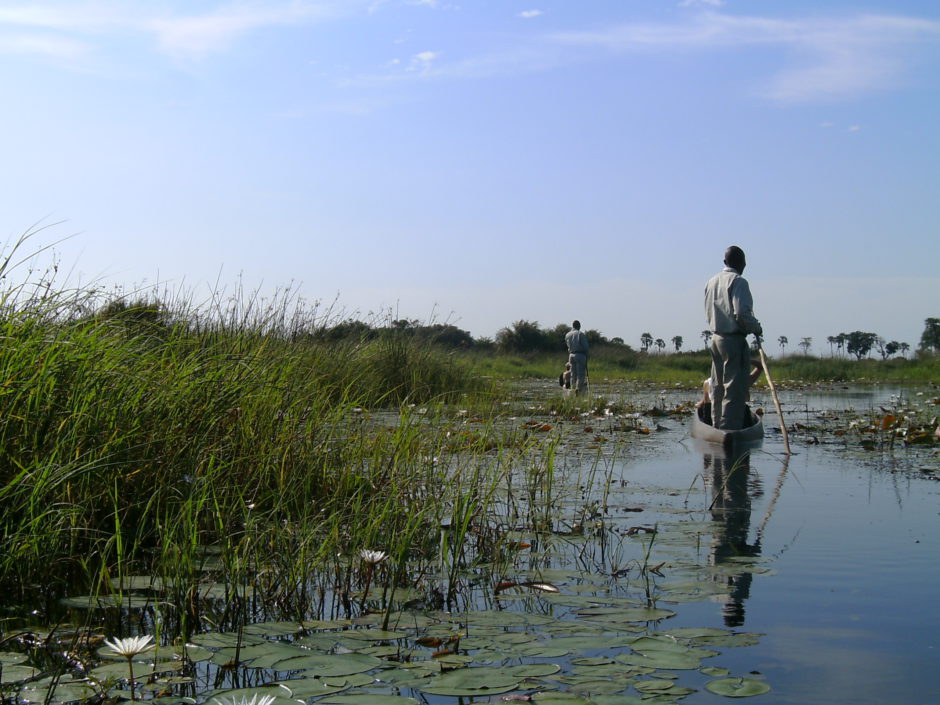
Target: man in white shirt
(577, 343)
(730, 317)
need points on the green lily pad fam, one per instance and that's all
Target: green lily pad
(366, 699)
(90, 602)
(305, 688)
(624, 614)
(325, 665)
(12, 674)
(375, 634)
(737, 687)
(281, 694)
(714, 671)
(218, 640)
(64, 691)
(9, 658)
(471, 682)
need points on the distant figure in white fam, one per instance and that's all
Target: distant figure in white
(577, 343)
(730, 317)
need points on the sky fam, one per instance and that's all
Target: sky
(480, 162)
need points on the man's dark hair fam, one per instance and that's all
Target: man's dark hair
(576, 324)
(734, 257)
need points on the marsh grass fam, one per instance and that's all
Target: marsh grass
(688, 369)
(136, 432)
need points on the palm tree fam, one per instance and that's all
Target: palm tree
(707, 337)
(677, 341)
(831, 339)
(904, 347)
(805, 343)
(783, 343)
(660, 343)
(645, 341)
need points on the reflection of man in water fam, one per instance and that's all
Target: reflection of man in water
(729, 478)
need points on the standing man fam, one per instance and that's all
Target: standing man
(577, 343)
(730, 317)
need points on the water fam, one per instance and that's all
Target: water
(850, 613)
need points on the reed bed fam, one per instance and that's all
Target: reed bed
(149, 437)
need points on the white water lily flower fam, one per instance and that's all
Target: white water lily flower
(372, 557)
(130, 646)
(256, 699)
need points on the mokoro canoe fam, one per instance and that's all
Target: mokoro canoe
(703, 430)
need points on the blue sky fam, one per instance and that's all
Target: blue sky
(484, 162)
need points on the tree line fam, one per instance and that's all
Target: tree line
(523, 336)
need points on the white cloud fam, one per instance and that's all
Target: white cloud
(697, 3)
(198, 35)
(181, 35)
(529, 14)
(43, 45)
(422, 62)
(837, 57)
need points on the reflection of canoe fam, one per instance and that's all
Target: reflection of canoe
(703, 430)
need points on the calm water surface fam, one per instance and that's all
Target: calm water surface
(851, 612)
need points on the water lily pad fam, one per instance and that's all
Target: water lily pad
(89, 602)
(246, 655)
(65, 691)
(8, 658)
(274, 628)
(324, 665)
(599, 686)
(375, 634)
(714, 671)
(366, 699)
(532, 670)
(281, 694)
(120, 670)
(624, 614)
(737, 687)
(471, 682)
(217, 640)
(12, 674)
(304, 688)
(138, 582)
(555, 697)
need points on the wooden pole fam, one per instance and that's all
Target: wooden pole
(773, 393)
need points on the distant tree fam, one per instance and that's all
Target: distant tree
(859, 343)
(892, 348)
(805, 343)
(524, 336)
(348, 330)
(782, 340)
(707, 337)
(646, 340)
(617, 340)
(881, 346)
(903, 347)
(677, 341)
(831, 339)
(841, 340)
(446, 335)
(660, 343)
(595, 337)
(930, 338)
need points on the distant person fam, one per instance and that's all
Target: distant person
(730, 317)
(577, 343)
(564, 379)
